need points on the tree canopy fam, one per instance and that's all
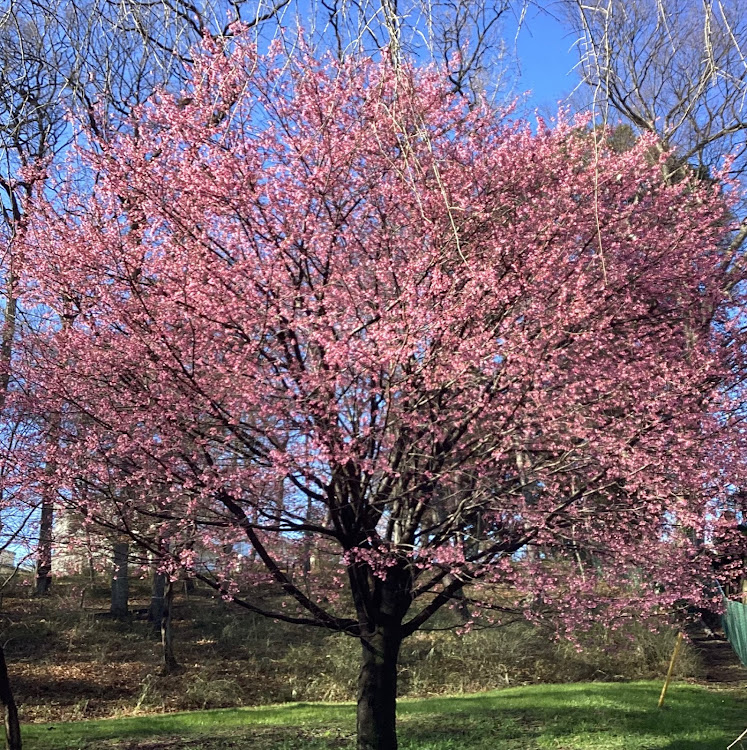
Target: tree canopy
(332, 308)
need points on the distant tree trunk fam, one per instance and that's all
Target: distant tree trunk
(120, 580)
(12, 727)
(170, 663)
(46, 521)
(377, 691)
(189, 584)
(156, 609)
(306, 554)
(91, 562)
(460, 601)
(44, 553)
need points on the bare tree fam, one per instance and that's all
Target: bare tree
(675, 68)
(466, 36)
(100, 57)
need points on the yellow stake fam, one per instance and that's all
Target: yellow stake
(672, 662)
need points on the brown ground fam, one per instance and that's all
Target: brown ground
(72, 662)
(721, 665)
(69, 661)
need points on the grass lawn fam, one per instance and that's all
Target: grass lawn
(602, 716)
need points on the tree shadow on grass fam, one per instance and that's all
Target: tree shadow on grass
(576, 716)
(568, 717)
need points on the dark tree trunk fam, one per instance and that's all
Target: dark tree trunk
(377, 691)
(460, 602)
(189, 584)
(170, 664)
(46, 520)
(44, 553)
(381, 605)
(155, 611)
(91, 562)
(120, 581)
(12, 727)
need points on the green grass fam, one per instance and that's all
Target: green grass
(602, 716)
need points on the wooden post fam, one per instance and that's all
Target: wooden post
(739, 739)
(672, 662)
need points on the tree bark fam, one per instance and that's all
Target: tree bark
(120, 580)
(46, 521)
(12, 727)
(155, 611)
(170, 664)
(377, 691)
(44, 553)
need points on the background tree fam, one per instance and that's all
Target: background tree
(673, 68)
(678, 70)
(329, 304)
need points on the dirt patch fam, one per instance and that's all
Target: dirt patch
(721, 665)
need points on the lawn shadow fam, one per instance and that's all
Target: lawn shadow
(567, 717)
(572, 716)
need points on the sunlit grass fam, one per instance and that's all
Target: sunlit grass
(602, 716)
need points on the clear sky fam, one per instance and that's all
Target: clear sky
(546, 53)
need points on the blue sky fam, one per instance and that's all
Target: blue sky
(547, 54)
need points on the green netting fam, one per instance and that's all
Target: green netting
(735, 627)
